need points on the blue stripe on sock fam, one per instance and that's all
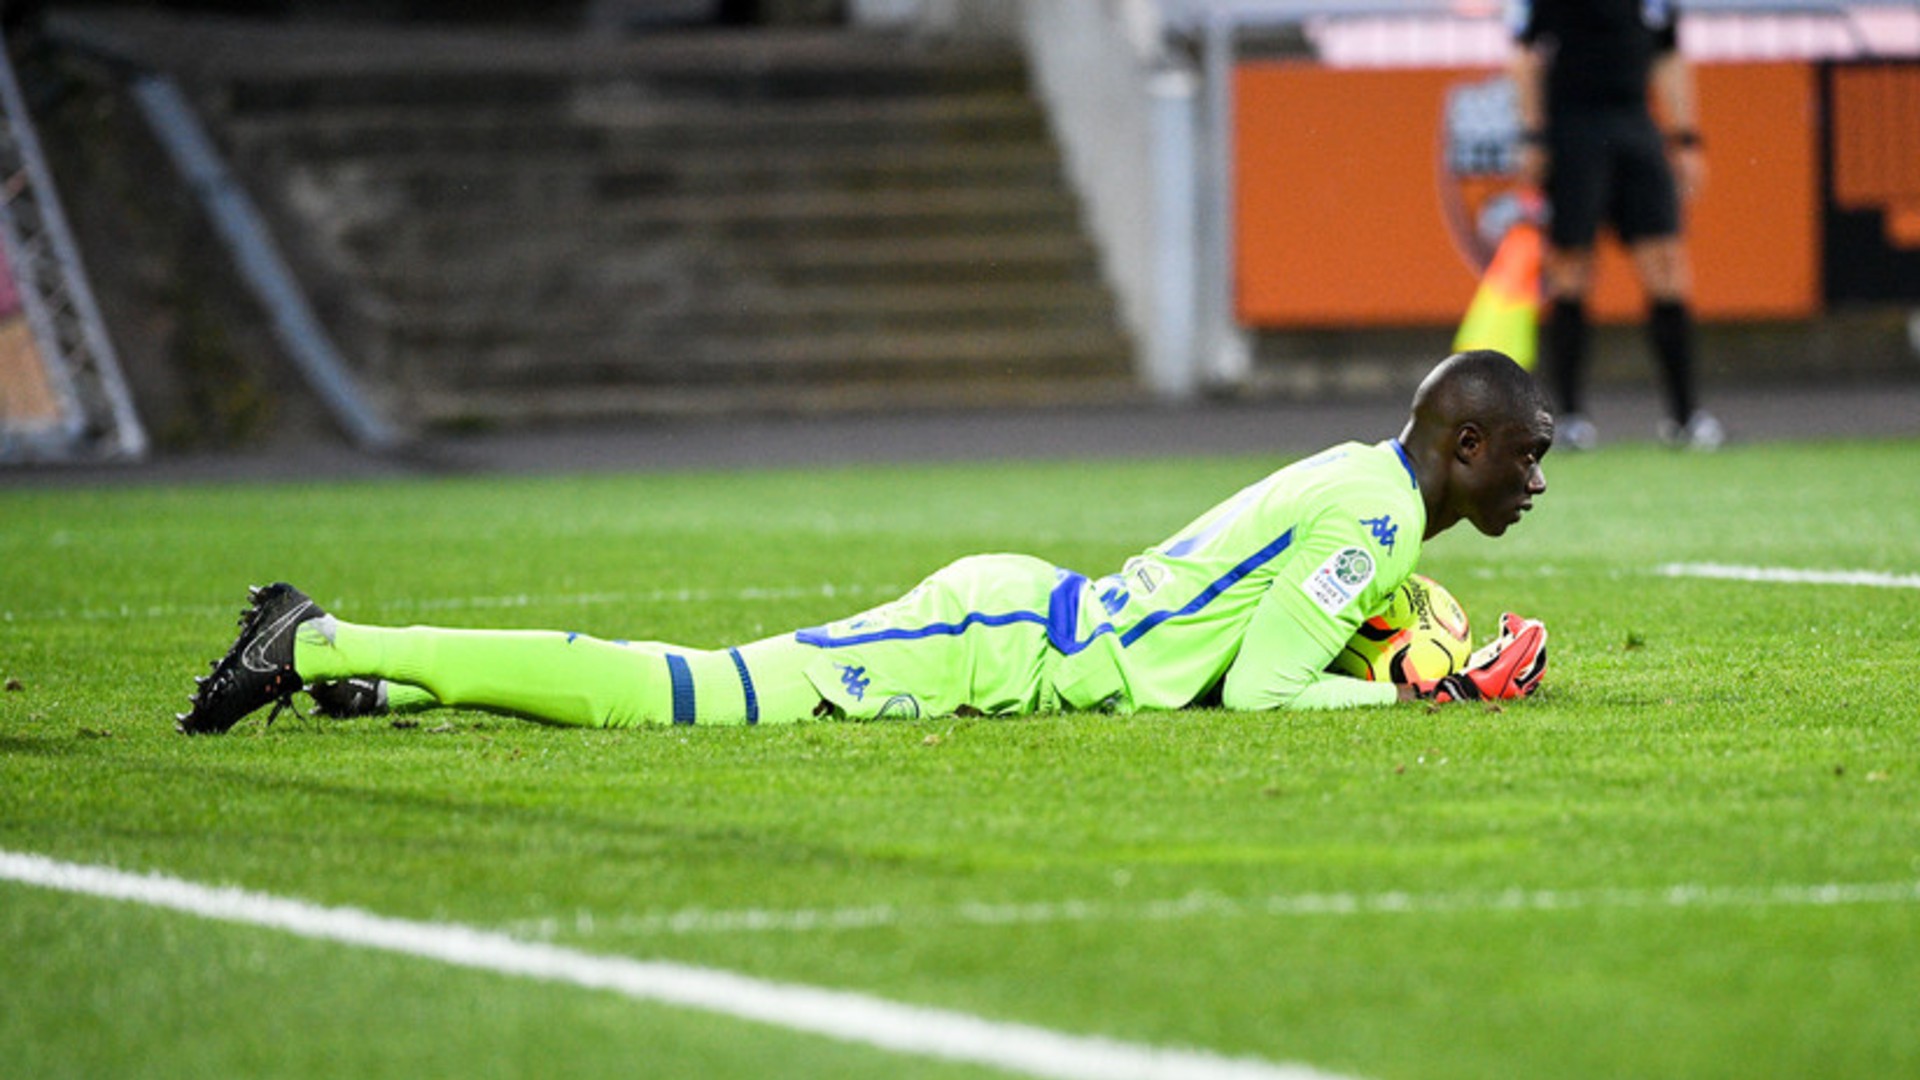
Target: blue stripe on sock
(746, 684)
(682, 676)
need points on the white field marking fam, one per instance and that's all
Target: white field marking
(828, 590)
(836, 1014)
(1786, 576)
(1213, 905)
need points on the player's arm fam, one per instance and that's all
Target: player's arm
(1283, 660)
(1317, 600)
(1673, 92)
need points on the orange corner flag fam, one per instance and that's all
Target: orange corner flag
(1505, 312)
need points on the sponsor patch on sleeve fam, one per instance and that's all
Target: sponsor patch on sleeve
(1339, 580)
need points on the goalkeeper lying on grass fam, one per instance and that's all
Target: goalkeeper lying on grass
(1243, 608)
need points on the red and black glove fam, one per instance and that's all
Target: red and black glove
(1509, 666)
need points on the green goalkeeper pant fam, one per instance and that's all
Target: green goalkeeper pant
(972, 637)
(570, 679)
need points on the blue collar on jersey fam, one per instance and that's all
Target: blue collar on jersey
(1405, 461)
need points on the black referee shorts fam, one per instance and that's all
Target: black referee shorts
(1609, 167)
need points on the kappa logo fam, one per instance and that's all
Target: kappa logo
(855, 680)
(1383, 529)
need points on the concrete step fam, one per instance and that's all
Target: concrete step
(540, 269)
(476, 179)
(315, 61)
(466, 407)
(657, 216)
(709, 359)
(669, 127)
(743, 308)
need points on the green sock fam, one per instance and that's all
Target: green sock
(566, 678)
(405, 697)
(542, 675)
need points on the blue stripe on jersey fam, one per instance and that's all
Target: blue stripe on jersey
(746, 685)
(682, 677)
(1405, 461)
(1063, 615)
(820, 637)
(1207, 595)
(1062, 619)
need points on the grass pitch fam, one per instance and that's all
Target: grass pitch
(1695, 853)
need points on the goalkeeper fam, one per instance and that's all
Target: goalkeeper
(1243, 608)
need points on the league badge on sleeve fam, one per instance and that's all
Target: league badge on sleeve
(1339, 580)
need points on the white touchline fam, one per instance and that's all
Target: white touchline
(1213, 905)
(1786, 576)
(837, 1014)
(642, 599)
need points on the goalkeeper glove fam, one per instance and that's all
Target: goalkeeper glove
(1509, 666)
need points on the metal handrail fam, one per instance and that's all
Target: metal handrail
(66, 324)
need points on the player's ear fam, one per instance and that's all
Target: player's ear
(1469, 439)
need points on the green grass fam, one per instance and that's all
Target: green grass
(1746, 737)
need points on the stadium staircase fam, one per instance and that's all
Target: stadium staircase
(530, 226)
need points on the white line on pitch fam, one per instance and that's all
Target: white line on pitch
(1212, 905)
(1786, 576)
(505, 601)
(837, 1014)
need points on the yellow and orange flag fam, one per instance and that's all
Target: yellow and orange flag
(1505, 312)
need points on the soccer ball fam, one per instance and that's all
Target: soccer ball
(1422, 635)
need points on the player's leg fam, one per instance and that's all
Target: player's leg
(1664, 273)
(972, 637)
(286, 641)
(542, 675)
(1576, 191)
(1647, 214)
(1568, 273)
(560, 678)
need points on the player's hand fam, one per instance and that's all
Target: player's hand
(1509, 666)
(1531, 164)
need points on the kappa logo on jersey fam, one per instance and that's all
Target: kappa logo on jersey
(855, 680)
(1383, 528)
(1339, 580)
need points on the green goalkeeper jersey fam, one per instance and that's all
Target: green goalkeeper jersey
(1252, 599)
(1245, 607)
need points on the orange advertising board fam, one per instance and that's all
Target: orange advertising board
(1343, 198)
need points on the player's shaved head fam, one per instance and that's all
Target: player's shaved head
(1479, 426)
(1482, 386)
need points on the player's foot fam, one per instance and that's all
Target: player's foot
(1702, 431)
(1576, 432)
(258, 669)
(344, 699)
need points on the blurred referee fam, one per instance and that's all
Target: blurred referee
(1586, 72)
